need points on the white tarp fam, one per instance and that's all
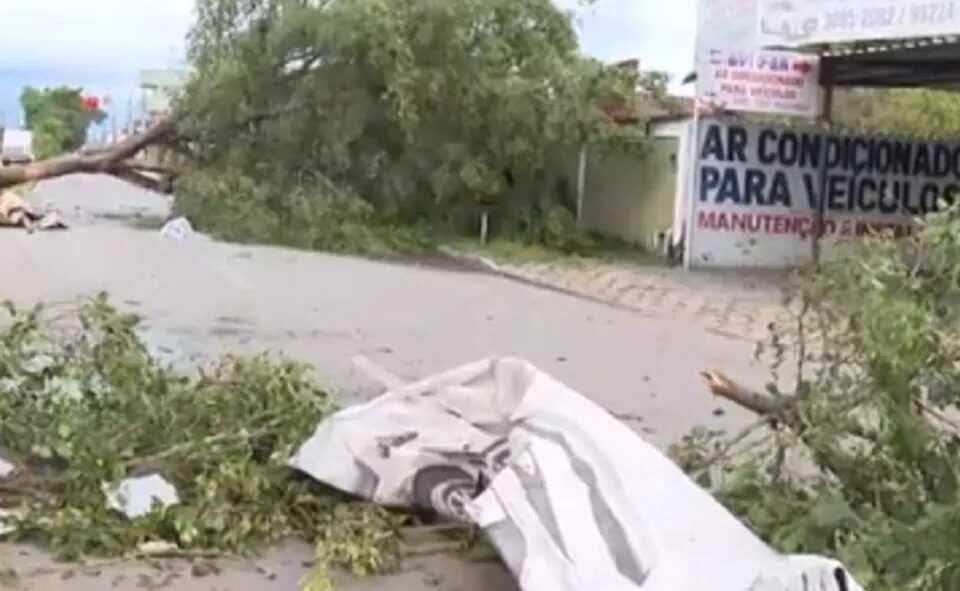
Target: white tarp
(793, 23)
(136, 497)
(572, 499)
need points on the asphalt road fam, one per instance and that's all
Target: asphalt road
(201, 299)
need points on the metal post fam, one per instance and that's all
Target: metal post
(826, 125)
(581, 184)
(113, 123)
(130, 115)
(693, 172)
(484, 228)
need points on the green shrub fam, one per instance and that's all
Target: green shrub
(862, 458)
(87, 406)
(235, 207)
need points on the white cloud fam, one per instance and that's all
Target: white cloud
(92, 36)
(660, 33)
(106, 42)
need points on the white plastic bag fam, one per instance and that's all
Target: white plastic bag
(178, 229)
(135, 497)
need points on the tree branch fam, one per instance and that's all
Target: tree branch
(141, 180)
(141, 166)
(830, 457)
(106, 160)
(118, 159)
(767, 406)
(759, 404)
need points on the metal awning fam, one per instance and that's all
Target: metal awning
(915, 63)
(931, 63)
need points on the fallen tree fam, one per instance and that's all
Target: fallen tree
(117, 159)
(332, 126)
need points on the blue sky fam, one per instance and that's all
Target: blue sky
(102, 44)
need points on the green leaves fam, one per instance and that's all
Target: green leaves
(422, 109)
(221, 437)
(865, 465)
(57, 118)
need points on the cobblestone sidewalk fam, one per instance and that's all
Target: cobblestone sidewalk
(737, 303)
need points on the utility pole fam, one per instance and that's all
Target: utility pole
(129, 114)
(113, 123)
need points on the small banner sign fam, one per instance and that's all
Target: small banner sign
(774, 82)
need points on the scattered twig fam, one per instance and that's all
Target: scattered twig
(831, 458)
(146, 461)
(939, 416)
(167, 554)
(766, 406)
(445, 547)
(728, 447)
(722, 386)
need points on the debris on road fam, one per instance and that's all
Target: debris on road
(195, 462)
(6, 468)
(16, 213)
(178, 229)
(571, 498)
(157, 548)
(8, 522)
(136, 497)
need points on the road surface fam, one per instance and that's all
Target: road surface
(201, 298)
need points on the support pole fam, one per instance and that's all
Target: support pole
(484, 228)
(693, 171)
(826, 125)
(581, 184)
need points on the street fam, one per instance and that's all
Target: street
(200, 299)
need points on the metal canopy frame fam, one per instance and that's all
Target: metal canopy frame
(914, 63)
(932, 62)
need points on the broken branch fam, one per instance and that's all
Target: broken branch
(831, 458)
(112, 159)
(119, 159)
(722, 386)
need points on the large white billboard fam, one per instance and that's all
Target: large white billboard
(759, 190)
(794, 23)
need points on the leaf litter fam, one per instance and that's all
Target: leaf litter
(85, 408)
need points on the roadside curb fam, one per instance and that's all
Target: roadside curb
(471, 259)
(486, 264)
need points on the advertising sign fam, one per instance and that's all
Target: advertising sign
(777, 82)
(759, 190)
(793, 23)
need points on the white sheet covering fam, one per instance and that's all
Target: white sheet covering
(572, 499)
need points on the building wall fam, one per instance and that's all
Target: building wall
(159, 87)
(632, 198)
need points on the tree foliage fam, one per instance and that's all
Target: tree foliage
(912, 112)
(85, 405)
(426, 110)
(862, 458)
(57, 118)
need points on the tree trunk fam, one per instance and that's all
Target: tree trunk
(117, 159)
